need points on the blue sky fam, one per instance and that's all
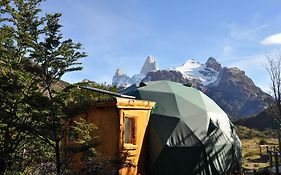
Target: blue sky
(121, 34)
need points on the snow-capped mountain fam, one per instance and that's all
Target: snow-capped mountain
(149, 65)
(123, 80)
(230, 88)
(120, 78)
(204, 73)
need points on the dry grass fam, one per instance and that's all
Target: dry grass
(251, 140)
(252, 159)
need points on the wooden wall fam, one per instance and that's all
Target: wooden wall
(109, 118)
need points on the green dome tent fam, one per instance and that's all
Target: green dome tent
(188, 132)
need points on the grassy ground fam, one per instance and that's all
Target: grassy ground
(252, 157)
(251, 141)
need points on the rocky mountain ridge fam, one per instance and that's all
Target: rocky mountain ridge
(262, 121)
(230, 88)
(123, 80)
(205, 73)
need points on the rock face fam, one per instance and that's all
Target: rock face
(123, 80)
(212, 63)
(120, 78)
(205, 73)
(171, 75)
(237, 94)
(230, 88)
(149, 65)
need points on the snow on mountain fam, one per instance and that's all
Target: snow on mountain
(149, 65)
(205, 73)
(120, 78)
(123, 80)
(137, 78)
(230, 88)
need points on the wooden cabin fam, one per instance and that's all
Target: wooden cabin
(121, 127)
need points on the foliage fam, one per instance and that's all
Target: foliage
(247, 133)
(82, 133)
(16, 84)
(93, 162)
(99, 164)
(35, 115)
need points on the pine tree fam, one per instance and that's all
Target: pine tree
(33, 58)
(15, 87)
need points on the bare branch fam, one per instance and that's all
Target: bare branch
(274, 71)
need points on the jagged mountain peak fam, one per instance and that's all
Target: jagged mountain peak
(229, 87)
(121, 79)
(192, 69)
(149, 65)
(237, 94)
(214, 64)
(119, 72)
(150, 59)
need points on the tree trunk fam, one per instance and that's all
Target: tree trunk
(279, 139)
(58, 158)
(2, 167)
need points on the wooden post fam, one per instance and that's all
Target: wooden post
(279, 138)
(267, 151)
(276, 162)
(260, 151)
(270, 159)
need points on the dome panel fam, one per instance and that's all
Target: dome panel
(181, 140)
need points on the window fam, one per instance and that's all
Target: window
(129, 130)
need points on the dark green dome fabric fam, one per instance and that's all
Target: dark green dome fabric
(188, 132)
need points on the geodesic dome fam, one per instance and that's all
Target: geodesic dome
(188, 132)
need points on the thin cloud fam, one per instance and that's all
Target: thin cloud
(238, 32)
(253, 62)
(227, 50)
(241, 38)
(274, 39)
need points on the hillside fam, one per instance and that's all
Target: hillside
(237, 94)
(261, 122)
